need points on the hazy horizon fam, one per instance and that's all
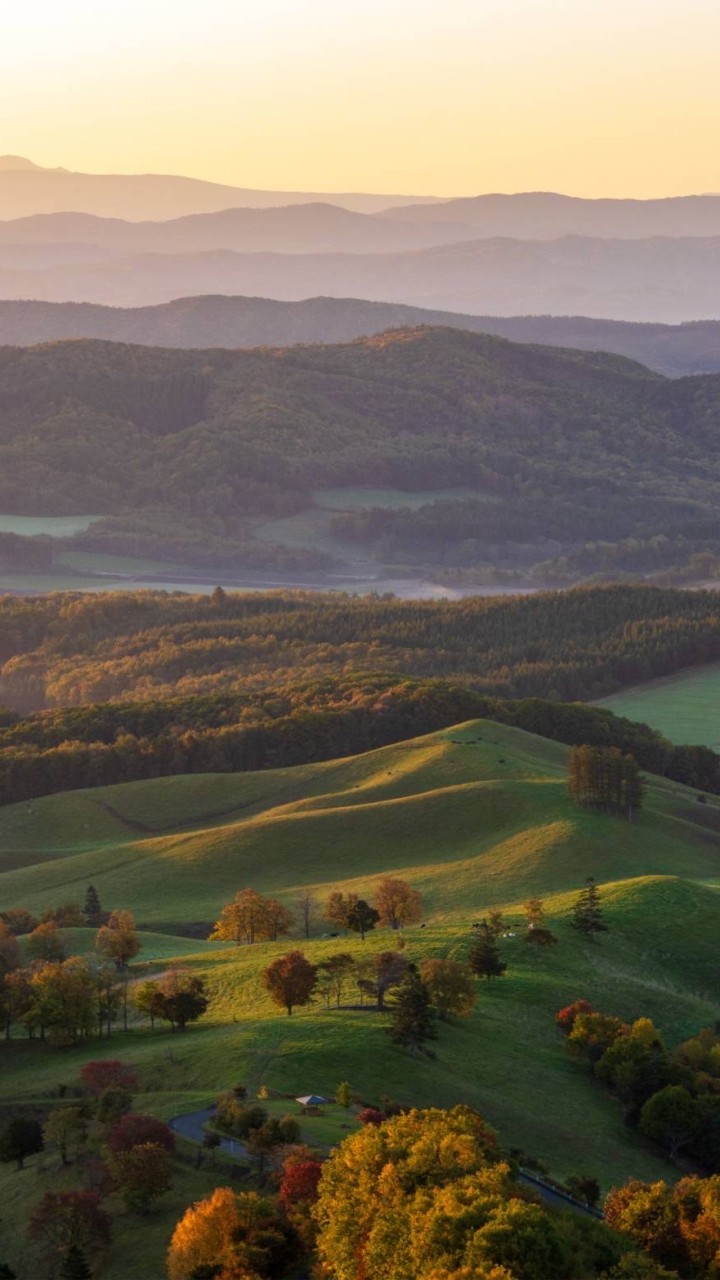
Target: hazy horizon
(421, 97)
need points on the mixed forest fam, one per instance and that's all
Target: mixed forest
(575, 462)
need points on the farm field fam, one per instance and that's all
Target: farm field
(475, 816)
(684, 707)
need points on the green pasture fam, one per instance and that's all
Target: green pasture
(684, 707)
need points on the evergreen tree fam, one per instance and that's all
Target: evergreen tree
(74, 1265)
(413, 1020)
(92, 908)
(484, 956)
(587, 912)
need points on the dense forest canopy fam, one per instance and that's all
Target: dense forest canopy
(63, 649)
(562, 447)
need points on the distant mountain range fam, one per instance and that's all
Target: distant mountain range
(27, 188)
(232, 322)
(667, 280)
(143, 240)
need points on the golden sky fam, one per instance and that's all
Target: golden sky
(450, 97)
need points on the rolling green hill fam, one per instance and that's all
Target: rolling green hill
(474, 817)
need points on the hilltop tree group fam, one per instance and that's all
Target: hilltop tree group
(605, 779)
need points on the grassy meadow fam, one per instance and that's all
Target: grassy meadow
(475, 816)
(684, 707)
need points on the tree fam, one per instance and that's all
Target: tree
(450, 986)
(118, 940)
(137, 1130)
(585, 1189)
(290, 980)
(92, 907)
(649, 1214)
(9, 950)
(389, 969)
(344, 1094)
(397, 903)
(362, 918)
(587, 912)
(62, 1000)
(230, 1235)
(74, 1265)
(299, 1182)
(46, 943)
(108, 1073)
(142, 1175)
(484, 956)
(338, 908)
(22, 1138)
(672, 1118)
(306, 907)
(66, 1130)
(412, 1020)
(180, 997)
(144, 997)
(66, 1220)
(386, 1197)
(333, 974)
(16, 999)
(605, 779)
(565, 1018)
(496, 923)
(250, 917)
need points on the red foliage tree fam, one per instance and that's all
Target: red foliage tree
(299, 1183)
(371, 1115)
(108, 1073)
(135, 1130)
(565, 1018)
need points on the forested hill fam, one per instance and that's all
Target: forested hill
(61, 650)
(561, 448)
(226, 321)
(98, 426)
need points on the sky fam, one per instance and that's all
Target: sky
(443, 97)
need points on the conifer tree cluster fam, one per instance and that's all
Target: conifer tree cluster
(587, 912)
(605, 779)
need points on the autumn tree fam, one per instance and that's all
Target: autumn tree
(484, 956)
(66, 1130)
(230, 1235)
(21, 1138)
(62, 1000)
(338, 908)
(385, 1197)
(136, 1130)
(16, 999)
(46, 943)
(251, 917)
(66, 1220)
(565, 1017)
(397, 903)
(451, 987)
(290, 980)
(118, 940)
(108, 1073)
(587, 913)
(362, 918)
(344, 1094)
(413, 1021)
(180, 997)
(142, 1175)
